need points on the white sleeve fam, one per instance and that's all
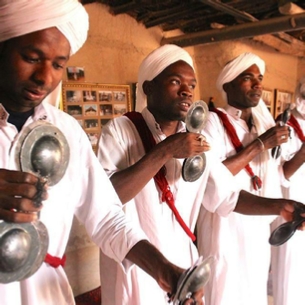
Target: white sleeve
(222, 191)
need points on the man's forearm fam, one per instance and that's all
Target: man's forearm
(152, 261)
(250, 204)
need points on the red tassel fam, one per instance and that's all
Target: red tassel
(256, 182)
(54, 261)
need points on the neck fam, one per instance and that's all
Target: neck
(246, 115)
(169, 128)
(19, 118)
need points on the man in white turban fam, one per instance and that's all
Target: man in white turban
(166, 83)
(242, 134)
(288, 266)
(154, 64)
(37, 39)
(143, 154)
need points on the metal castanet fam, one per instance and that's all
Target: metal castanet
(286, 230)
(195, 120)
(284, 117)
(42, 150)
(193, 279)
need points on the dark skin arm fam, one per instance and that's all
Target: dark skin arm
(271, 138)
(130, 181)
(249, 204)
(18, 192)
(148, 258)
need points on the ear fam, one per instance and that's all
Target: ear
(147, 87)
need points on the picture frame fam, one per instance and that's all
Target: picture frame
(94, 104)
(75, 73)
(282, 99)
(267, 97)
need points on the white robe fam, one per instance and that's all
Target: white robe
(239, 242)
(120, 146)
(84, 191)
(288, 266)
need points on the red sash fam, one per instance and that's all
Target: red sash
(296, 126)
(149, 142)
(256, 181)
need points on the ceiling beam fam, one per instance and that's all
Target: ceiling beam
(246, 30)
(242, 16)
(295, 48)
(228, 10)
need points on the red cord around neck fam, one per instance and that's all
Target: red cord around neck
(256, 181)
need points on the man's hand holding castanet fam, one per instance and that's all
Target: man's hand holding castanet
(21, 195)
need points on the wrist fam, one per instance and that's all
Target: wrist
(261, 144)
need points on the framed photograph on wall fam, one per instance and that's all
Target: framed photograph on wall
(267, 97)
(282, 99)
(93, 105)
(75, 73)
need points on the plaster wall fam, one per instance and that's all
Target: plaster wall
(115, 47)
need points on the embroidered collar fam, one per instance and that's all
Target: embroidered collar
(40, 113)
(155, 126)
(233, 112)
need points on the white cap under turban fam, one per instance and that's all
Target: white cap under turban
(154, 64)
(21, 17)
(237, 66)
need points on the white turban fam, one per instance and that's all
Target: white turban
(21, 17)
(300, 97)
(154, 64)
(237, 66)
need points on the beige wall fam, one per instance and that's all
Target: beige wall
(112, 55)
(115, 47)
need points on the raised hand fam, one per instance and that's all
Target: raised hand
(186, 144)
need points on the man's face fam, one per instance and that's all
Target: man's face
(246, 89)
(170, 94)
(31, 66)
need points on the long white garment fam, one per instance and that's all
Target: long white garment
(85, 191)
(120, 146)
(239, 242)
(288, 266)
